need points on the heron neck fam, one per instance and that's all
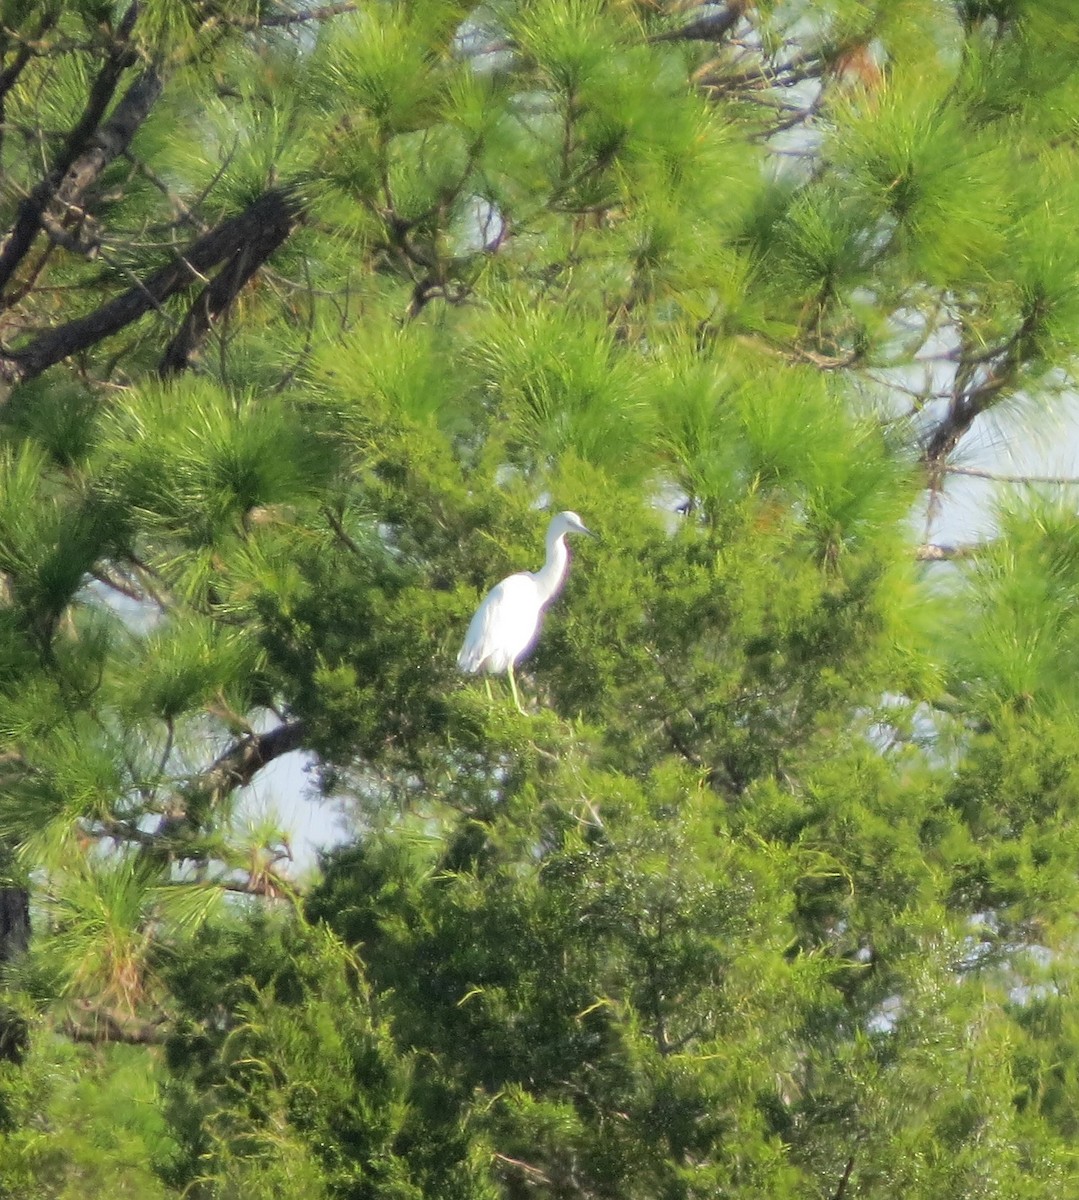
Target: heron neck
(549, 577)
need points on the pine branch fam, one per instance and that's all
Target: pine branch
(841, 1190)
(233, 768)
(975, 390)
(530, 1172)
(711, 28)
(242, 761)
(113, 138)
(217, 295)
(274, 210)
(268, 885)
(801, 66)
(10, 74)
(14, 921)
(21, 236)
(965, 407)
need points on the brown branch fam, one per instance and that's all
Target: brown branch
(805, 65)
(242, 761)
(965, 408)
(342, 534)
(270, 209)
(711, 28)
(216, 297)
(233, 768)
(10, 74)
(75, 242)
(28, 216)
(841, 1190)
(113, 138)
(970, 396)
(269, 885)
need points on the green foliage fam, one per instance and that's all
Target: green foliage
(773, 891)
(80, 1120)
(301, 1086)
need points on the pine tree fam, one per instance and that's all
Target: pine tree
(304, 312)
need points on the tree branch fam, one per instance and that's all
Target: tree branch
(242, 761)
(233, 768)
(273, 209)
(1001, 477)
(216, 297)
(98, 1025)
(841, 1190)
(10, 74)
(935, 553)
(972, 395)
(527, 1169)
(113, 138)
(321, 12)
(21, 236)
(712, 28)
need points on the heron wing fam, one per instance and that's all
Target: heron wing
(503, 627)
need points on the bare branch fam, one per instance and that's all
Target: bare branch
(980, 379)
(804, 65)
(841, 1190)
(341, 533)
(936, 553)
(268, 884)
(233, 768)
(1002, 477)
(530, 1172)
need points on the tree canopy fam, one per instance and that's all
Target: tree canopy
(307, 314)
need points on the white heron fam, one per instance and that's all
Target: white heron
(506, 623)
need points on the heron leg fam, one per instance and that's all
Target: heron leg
(513, 688)
(487, 685)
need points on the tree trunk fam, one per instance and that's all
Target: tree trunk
(14, 922)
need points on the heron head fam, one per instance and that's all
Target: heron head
(568, 522)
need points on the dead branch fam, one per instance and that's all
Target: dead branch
(1003, 477)
(936, 553)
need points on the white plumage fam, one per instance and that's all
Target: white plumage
(507, 622)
